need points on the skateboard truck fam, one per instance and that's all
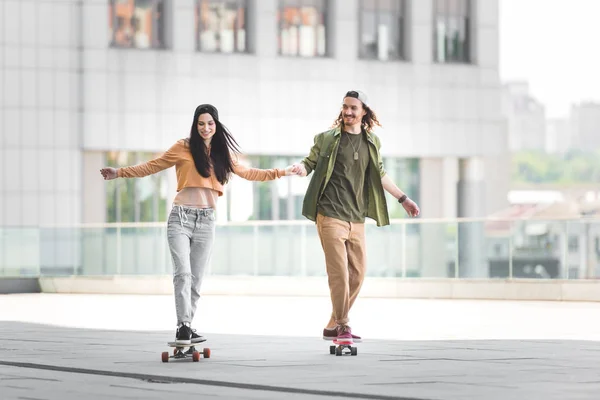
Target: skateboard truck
(339, 348)
(179, 353)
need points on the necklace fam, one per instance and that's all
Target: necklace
(355, 150)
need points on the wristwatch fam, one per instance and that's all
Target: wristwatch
(401, 199)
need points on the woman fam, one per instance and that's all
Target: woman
(203, 163)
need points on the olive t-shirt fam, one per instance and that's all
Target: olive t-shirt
(344, 196)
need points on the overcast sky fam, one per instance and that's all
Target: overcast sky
(555, 45)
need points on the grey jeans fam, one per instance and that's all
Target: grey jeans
(191, 233)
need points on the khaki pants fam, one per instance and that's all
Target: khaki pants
(346, 259)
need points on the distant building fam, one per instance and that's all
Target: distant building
(526, 118)
(559, 135)
(585, 124)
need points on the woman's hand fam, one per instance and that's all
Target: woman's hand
(289, 170)
(109, 173)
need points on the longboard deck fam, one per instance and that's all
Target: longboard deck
(175, 344)
(334, 339)
(343, 342)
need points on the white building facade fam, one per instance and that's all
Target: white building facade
(92, 83)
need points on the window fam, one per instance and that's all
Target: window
(302, 28)
(221, 26)
(382, 29)
(135, 200)
(136, 24)
(451, 31)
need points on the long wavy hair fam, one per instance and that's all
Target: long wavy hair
(222, 145)
(369, 120)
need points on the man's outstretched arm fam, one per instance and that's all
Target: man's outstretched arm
(412, 209)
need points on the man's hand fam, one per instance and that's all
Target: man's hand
(108, 173)
(299, 169)
(412, 209)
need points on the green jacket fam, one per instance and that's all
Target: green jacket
(321, 160)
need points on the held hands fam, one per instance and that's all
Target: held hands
(296, 169)
(299, 169)
(108, 173)
(288, 171)
(412, 209)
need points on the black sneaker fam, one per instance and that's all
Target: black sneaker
(197, 338)
(183, 335)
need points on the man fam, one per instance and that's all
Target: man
(347, 186)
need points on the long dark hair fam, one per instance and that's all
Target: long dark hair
(221, 147)
(369, 120)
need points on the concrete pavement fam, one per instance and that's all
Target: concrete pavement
(72, 358)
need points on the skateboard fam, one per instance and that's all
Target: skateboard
(179, 354)
(342, 345)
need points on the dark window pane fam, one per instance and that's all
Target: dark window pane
(222, 26)
(465, 8)
(451, 31)
(400, 38)
(465, 37)
(302, 29)
(381, 29)
(452, 38)
(368, 38)
(136, 23)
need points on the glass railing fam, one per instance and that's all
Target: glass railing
(419, 248)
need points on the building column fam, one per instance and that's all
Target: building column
(94, 188)
(497, 170)
(263, 41)
(437, 186)
(471, 204)
(419, 43)
(341, 18)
